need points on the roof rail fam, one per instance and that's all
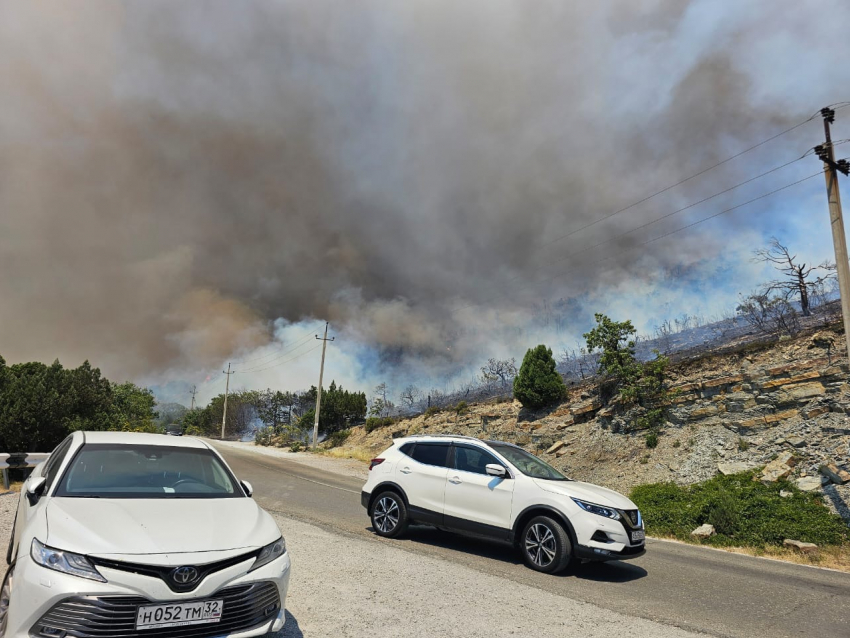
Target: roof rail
(448, 436)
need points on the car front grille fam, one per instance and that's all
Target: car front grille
(245, 607)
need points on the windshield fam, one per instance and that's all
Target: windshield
(528, 464)
(146, 471)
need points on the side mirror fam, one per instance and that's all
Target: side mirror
(35, 487)
(247, 487)
(493, 469)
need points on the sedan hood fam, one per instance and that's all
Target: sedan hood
(157, 526)
(587, 492)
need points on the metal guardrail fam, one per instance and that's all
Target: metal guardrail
(19, 461)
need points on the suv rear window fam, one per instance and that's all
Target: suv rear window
(432, 454)
(407, 448)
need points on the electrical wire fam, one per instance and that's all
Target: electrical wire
(268, 354)
(642, 226)
(298, 356)
(290, 350)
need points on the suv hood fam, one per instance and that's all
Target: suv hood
(157, 526)
(587, 492)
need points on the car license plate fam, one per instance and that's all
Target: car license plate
(179, 614)
(638, 536)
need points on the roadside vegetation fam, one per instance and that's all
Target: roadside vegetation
(744, 512)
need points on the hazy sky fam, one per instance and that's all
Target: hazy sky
(183, 184)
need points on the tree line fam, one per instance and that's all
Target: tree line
(41, 404)
(278, 410)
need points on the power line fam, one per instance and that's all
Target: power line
(680, 182)
(268, 354)
(291, 349)
(298, 356)
(642, 226)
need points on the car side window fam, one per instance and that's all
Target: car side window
(473, 459)
(432, 453)
(51, 469)
(407, 449)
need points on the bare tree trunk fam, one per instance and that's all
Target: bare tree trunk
(804, 292)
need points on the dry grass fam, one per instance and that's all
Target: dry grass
(357, 453)
(832, 556)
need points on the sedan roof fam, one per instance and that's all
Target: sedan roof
(142, 438)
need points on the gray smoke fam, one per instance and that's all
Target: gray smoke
(176, 176)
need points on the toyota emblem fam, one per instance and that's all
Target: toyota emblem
(185, 575)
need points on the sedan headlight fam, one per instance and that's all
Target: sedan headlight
(607, 512)
(269, 553)
(65, 562)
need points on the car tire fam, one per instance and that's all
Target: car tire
(389, 515)
(5, 594)
(545, 545)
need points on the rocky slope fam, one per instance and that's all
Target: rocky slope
(730, 413)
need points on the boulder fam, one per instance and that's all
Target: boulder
(568, 421)
(800, 546)
(732, 468)
(779, 468)
(796, 441)
(703, 531)
(811, 413)
(785, 494)
(835, 474)
(808, 483)
(557, 446)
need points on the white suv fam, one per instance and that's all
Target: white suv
(499, 490)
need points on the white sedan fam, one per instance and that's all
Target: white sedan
(126, 534)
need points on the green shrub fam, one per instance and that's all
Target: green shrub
(431, 411)
(743, 445)
(724, 514)
(652, 439)
(744, 512)
(264, 436)
(295, 446)
(461, 408)
(677, 443)
(375, 422)
(338, 438)
(538, 383)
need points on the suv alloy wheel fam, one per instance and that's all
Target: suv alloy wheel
(389, 515)
(545, 545)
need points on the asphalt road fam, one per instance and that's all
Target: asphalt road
(694, 588)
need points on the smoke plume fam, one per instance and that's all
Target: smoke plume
(177, 177)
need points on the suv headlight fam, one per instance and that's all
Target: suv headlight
(269, 553)
(65, 562)
(607, 512)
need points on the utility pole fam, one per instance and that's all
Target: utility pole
(194, 392)
(839, 240)
(226, 391)
(319, 394)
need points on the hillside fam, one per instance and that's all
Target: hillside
(732, 412)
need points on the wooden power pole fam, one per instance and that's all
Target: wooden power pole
(226, 391)
(319, 393)
(839, 240)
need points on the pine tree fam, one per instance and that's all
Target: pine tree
(538, 382)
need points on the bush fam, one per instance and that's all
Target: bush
(338, 438)
(431, 411)
(461, 408)
(375, 422)
(538, 383)
(295, 446)
(652, 439)
(724, 514)
(264, 436)
(744, 512)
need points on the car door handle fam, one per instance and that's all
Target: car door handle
(405, 470)
(455, 480)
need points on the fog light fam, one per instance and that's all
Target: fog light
(52, 632)
(604, 552)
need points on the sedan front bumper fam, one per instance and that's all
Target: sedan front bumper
(48, 604)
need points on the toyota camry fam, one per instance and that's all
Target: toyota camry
(130, 534)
